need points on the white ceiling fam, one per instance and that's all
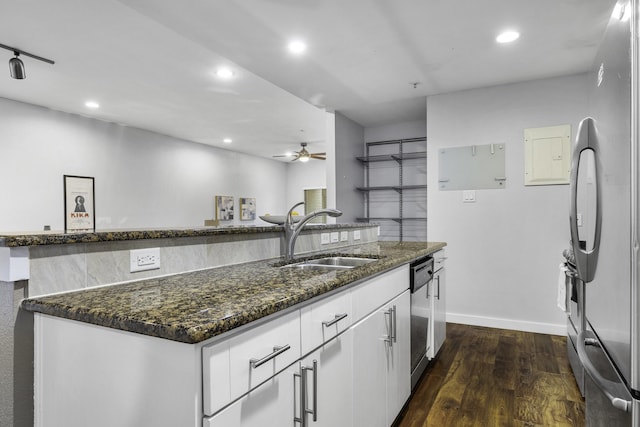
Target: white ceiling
(151, 63)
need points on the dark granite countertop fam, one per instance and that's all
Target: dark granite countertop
(15, 239)
(193, 307)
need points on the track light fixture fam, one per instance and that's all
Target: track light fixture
(16, 66)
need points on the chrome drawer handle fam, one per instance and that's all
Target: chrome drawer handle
(254, 363)
(339, 317)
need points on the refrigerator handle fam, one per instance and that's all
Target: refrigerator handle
(586, 260)
(608, 388)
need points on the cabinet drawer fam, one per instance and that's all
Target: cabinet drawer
(232, 368)
(325, 319)
(271, 404)
(438, 260)
(377, 291)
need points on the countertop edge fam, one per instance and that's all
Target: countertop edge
(18, 239)
(216, 327)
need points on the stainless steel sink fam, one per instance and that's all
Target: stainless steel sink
(342, 261)
(314, 267)
(330, 263)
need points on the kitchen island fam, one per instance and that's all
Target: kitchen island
(193, 349)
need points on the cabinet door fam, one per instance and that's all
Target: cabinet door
(369, 373)
(329, 390)
(398, 357)
(382, 364)
(271, 404)
(439, 310)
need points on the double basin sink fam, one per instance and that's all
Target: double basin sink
(332, 263)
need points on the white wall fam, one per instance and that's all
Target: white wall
(303, 176)
(142, 179)
(403, 130)
(504, 250)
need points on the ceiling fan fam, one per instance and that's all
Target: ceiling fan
(303, 155)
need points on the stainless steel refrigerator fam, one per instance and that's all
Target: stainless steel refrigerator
(605, 226)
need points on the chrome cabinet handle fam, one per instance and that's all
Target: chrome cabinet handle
(303, 394)
(608, 388)
(389, 326)
(392, 329)
(254, 363)
(395, 324)
(302, 419)
(313, 411)
(438, 279)
(339, 317)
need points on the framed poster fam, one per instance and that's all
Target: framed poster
(224, 208)
(247, 209)
(79, 203)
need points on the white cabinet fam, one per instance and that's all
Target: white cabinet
(438, 304)
(239, 364)
(399, 358)
(329, 389)
(381, 359)
(271, 404)
(340, 361)
(325, 319)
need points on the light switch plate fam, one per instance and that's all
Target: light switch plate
(344, 236)
(356, 235)
(325, 238)
(469, 196)
(335, 237)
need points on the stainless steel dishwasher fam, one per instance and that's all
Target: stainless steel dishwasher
(421, 275)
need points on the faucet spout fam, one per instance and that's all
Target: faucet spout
(292, 230)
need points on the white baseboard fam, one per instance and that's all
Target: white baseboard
(516, 325)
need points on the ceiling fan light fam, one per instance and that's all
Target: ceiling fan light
(303, 159)
(16, 68)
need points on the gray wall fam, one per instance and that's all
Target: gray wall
(349, 173)
(386, 203)
(504, 250)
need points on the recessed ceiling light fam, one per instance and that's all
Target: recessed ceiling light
(224, 73)
(508, 37)
(92, 104)
(227, 140)
(297, 47)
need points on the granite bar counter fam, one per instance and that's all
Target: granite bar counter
(19, 239)
(196, 306)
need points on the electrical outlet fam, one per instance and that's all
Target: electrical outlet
(335, 237)
(144, 259)
(344, 236)
(325, 238)
(356, 235)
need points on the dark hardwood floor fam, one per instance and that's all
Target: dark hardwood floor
(494, 377)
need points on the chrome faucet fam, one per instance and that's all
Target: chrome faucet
(291, 229)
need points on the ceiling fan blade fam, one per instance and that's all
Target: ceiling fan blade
(282, 155)
(318, 156)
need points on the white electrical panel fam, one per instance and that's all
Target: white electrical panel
(547, 155)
